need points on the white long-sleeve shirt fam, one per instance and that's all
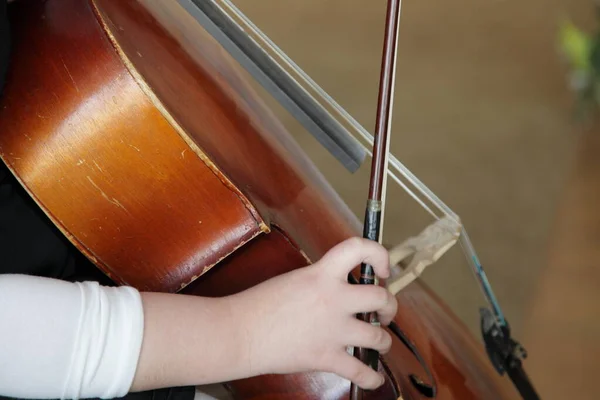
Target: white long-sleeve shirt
(67, 340)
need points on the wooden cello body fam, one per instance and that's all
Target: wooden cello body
(139, 137)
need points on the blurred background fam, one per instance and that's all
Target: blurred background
(485, 116)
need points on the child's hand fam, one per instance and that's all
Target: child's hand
(304, 320)
(297, 322)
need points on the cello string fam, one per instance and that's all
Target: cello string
(306, 83)
(292, 68)
(284, 60)
(266, 71)
(411, 193)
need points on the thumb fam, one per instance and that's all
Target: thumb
(341, 259)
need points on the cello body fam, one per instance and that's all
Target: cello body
(144, 143)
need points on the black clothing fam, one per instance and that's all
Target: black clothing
(4, 43)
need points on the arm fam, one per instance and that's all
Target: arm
(82, 340)
(296, 322)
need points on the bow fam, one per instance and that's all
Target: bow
(379, 167)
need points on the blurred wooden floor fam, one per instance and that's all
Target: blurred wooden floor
(483, 116)
(563, 330)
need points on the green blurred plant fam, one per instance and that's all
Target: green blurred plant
(582, 52)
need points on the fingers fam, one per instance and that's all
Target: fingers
(371, 298)
(344, 257)
(354, 370)
(363, 334)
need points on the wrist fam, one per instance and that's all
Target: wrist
(244, 326)
(191, 340)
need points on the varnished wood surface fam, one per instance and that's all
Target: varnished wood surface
(105, 164)
(166, 74)
(204, 90)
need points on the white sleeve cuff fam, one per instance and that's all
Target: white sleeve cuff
(68, 340)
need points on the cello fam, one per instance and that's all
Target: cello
(133, 127)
